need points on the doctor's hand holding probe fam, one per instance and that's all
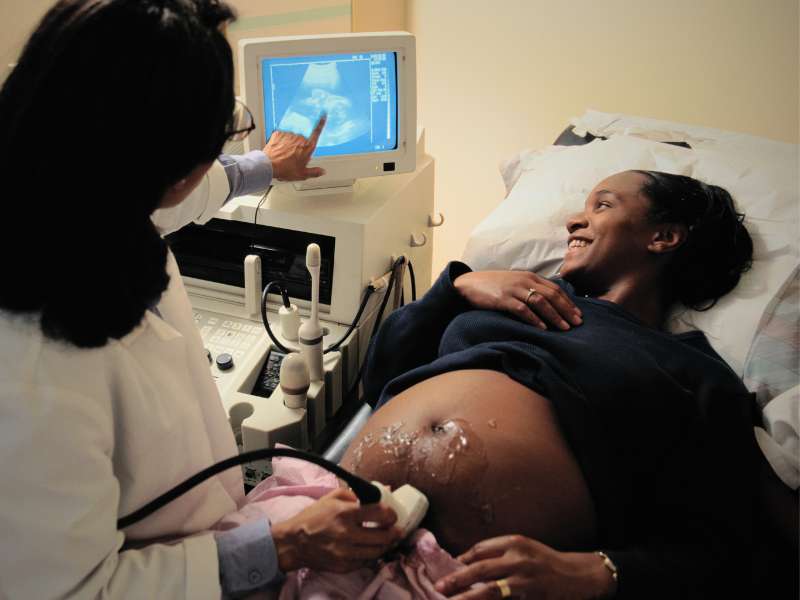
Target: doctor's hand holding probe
(106, 399)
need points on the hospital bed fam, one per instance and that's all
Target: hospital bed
(754, 328)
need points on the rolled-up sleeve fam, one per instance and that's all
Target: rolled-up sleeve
(247, 174)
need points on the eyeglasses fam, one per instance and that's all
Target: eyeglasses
(241, 124)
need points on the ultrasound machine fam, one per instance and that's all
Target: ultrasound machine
(369, 216)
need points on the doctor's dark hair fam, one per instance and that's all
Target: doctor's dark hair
(110, 104)
(718, 247)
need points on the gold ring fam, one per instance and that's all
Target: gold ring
(531, 292)
(502, 585)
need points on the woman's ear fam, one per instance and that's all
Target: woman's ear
(668, 237)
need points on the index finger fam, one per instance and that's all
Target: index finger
(489, 548)
(314, 137)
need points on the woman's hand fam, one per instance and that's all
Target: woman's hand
(290, 154)
(530, 570)
(330, 535)
(510, 291)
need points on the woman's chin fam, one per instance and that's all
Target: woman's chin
(567, 270)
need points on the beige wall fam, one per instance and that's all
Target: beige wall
(17, 20)
(379, 15)
(267, 18)
(497, 77)
(256, 18)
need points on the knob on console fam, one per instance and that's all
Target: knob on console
(224, 362)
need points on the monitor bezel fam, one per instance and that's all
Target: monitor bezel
(343, 169)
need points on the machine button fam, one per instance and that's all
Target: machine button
(224, 362)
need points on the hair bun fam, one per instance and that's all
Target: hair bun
(718, 248)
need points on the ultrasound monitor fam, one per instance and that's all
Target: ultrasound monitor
(366, 85)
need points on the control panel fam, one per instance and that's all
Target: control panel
(223, 334)
(282, 253)
(246, 367)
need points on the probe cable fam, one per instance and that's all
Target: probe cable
(258, 207)
(334, 346)
(387, 295)
(413, 286)
(366, 492)
(353, 391)
(413, 282)
(369, 291)
(264, 319)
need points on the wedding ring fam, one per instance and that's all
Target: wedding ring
(502, 585)
(531, 292)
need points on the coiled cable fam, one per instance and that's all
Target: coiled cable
(334, 346)
(367, 493)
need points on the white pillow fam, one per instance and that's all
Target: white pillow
(779, 438)
(772, 363)
(603, 124)
(527, 230)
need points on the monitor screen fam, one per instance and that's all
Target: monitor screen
(358, 92)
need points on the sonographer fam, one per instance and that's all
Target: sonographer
(106, 399)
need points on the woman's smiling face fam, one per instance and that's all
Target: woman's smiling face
(610, 238)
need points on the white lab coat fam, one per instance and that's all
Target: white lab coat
(88, 436)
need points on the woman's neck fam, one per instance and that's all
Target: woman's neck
(640, 296)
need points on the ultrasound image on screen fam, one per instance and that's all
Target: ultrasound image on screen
(358, 92)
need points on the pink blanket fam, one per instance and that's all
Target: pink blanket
(409, 573)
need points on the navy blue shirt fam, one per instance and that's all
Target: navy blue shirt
(659, 424)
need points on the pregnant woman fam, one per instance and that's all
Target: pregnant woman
(569, 445)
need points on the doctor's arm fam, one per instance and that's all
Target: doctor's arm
(227, 178)
(61, 502)
(285, 157)
(60, 505)
(328, 535)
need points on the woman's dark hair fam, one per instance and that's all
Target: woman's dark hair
(717, 249)
(110, 103)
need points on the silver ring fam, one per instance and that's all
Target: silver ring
(531, 292)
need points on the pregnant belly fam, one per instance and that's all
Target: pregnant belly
(489, 455)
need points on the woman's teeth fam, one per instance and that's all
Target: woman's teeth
(578, 243)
